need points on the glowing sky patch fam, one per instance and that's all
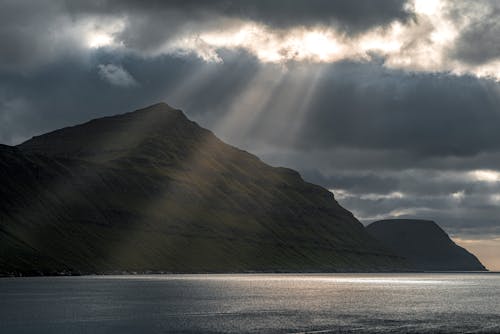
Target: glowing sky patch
(458, 195)
(485, 248)
(97, 40)
(98, 34)
(427, 7)
(485, 175)
(392, 195)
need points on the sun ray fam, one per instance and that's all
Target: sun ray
(246, 108)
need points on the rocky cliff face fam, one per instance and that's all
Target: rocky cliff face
(150, 190)
(424, 244)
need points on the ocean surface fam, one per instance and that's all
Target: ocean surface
(252, 303)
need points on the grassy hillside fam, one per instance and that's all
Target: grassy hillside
(152, 191)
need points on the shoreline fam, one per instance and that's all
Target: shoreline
(160, 273)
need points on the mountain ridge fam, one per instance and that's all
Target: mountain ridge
(150, 190)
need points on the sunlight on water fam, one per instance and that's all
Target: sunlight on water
(253, 303)
(320, 278)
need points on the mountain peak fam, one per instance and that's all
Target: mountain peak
(109, 137)
(159, 112)
(158, 107)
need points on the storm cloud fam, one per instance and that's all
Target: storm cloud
(479, 42)
(348, 15)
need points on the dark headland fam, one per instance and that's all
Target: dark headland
(426, 245)
(151, 191)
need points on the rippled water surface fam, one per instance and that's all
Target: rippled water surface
(371, 303)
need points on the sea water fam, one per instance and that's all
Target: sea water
(253, 303)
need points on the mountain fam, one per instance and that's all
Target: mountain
(151, 190)
(424, 244)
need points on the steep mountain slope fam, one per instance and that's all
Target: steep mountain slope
(151, 190)
(425, 244)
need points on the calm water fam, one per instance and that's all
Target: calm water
(382, 303)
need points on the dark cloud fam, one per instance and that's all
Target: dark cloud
(422, 113)
(339, 159)
(25, 32)
(348, 15)
(479, 42)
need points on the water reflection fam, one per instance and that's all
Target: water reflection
(254, 303)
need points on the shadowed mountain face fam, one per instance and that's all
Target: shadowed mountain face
(425, 244)
(151, 190)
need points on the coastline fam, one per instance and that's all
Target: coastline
(263, 272)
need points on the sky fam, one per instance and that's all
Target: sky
(393, 105)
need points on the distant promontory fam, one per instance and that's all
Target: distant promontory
(426, 245)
